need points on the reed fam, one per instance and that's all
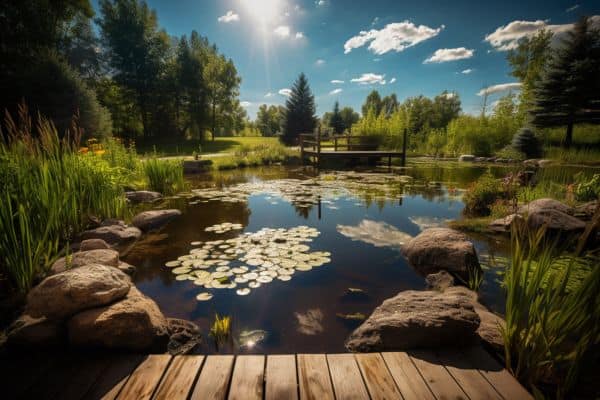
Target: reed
(164, 176)
(221, 330)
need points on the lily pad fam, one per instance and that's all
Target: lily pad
(204, 296)
(243, 291)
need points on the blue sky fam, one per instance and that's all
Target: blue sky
(407, 48)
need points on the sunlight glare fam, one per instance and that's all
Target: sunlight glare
(263, 11)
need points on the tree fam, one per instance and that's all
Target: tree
(299, 111)
(268, 120)
(222, 84)
(446, 106)
(389, 104)
(569, 91)
(372, 103)
(349, 118)
(336, 121)
(527, 143)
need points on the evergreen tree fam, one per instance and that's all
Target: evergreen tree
(372, 103)
(300, 111)
(527, 143)
(335, 120)
(569, 91)
(349, 117)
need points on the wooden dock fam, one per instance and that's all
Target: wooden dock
(456, 374)
(315, 147)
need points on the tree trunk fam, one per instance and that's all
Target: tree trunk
(569, 135)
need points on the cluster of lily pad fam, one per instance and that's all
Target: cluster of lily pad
(224, 227)
(250, 260)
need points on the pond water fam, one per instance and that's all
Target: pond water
(351, 227)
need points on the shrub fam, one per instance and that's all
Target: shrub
(482, 194)
(526, 142)
(587, 190)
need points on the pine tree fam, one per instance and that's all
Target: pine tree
(527, 143)
(336, 121)
(300, 111)
(569, 92)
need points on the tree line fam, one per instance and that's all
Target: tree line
(132, 79)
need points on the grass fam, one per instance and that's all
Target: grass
(189, 147)
(551, 319)
(254, 155)
(574, 155)
(164, 176)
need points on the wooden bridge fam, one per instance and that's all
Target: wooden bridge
(315, 147)
(453, 374)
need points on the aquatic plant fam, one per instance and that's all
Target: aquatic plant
(164, 176)
(220, 330)
(551, 319)
(482, 193)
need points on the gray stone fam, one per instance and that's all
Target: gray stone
(555, 221)
(27, 331)
(154, 219)
(134, 323)
(417, 319)
(545, 204)
(68, 292)
(466, 157)
(586, 211)
(439, 281)
(114, 234)
(93, 244)
(101, 256)
(184, 336)
(438, 249)
(143, 196)
(126, 268)
(503, 225)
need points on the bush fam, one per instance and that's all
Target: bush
(164, 176)
(482, 194)
(526, 142)
(587, 190)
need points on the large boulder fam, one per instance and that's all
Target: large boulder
(545, 204)
(439, 281)
(154, 219)
(438, 249)
(28, 331)
(586, 211)
(114, 234)
(503, 225)
(134, 323)
(74, 290)
(143, 196)
(555, 221)
(417, 319)
(101, 256)
(466, 157)
(184, 336)
(93, 244)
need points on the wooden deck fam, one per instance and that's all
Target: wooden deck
(466, 374)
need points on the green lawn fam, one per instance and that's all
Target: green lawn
(188, 147)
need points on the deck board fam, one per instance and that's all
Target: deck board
(281, 381)
(407, 377)
(347, 381)
(248, 377)
(313, 375)
(214, 378)
(144, 380)
(439, 380)
(179, 378)
(111, 380)
(379, 381)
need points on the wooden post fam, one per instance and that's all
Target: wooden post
(404, 148)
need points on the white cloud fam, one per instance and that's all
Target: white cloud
(507, 37)
(282, 31)
(449, 95)
(336, 91)
(369, 79)
(320, 3)
(392, 80)
(337, 82)
(375, 20)
(377, 233)
(319, 62)
(285, 92)
(230, 16)
(466, 71)
(245, 103)
(299, 35)
(445, 55)
(396, 36)
(499, 88)
(269, 94)
(575, 7)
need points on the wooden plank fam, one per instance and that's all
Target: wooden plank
(20, 373)
(346, 378)
(145, 378)
(50, 384)
(313, 375)
(439, 380)
(87, 373)
(496, 375)
(248, 377)
(111, 380)
(214, 378)
(407, 377)
(179, 378)
(379, 381)
(281, 382)
(469, 379)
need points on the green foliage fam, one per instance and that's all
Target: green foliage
(349, 118)
(269, 119)
(252, 155)
(300, 111)
(551, 319)
(336, 121)
(574, 155)
(220, 330)
(164, 176)
(482, 193)
(526, 142)
(587, 190)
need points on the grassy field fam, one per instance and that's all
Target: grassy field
(188, 147)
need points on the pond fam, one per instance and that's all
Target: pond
(297, 251)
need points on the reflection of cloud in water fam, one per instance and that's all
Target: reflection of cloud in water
(309, 323)
(428, 222)
(379, 234)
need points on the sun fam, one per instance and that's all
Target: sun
(264, 11)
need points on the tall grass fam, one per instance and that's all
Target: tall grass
(574, 155)
(254, 155)
(164, 176)
(551, 318)
(49, 191)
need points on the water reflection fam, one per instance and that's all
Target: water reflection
(379, 234)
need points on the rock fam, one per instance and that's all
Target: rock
(503, 225)
(545, 204)
(466, 157)
(544, 162)
(114, 234)
(93, 244)
(134, 323)
(39, 332)
(143, 196)
(113, 221)
(437, 249)
(586, 211)
(101, 256)
(68, 292)
(414, 319)
(154, 219)
(126, 268)
(184, 336)
(479, 159)
(555, 221)
(439, 281)
(196, 166)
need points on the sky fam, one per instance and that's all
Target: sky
(348, 48)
